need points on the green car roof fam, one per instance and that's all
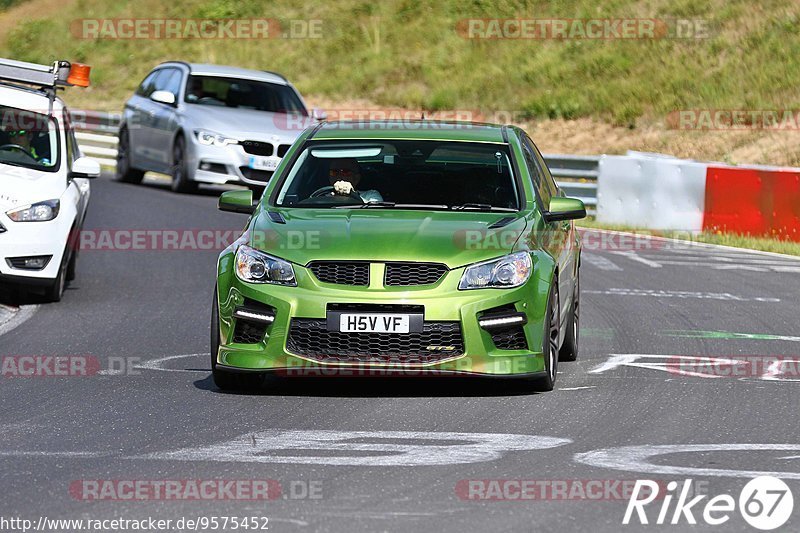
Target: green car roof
(411, 129)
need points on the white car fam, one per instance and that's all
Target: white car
(44, 187)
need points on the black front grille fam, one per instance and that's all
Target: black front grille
(282, 149)
(257, 147)
(437, 341)
(510, 339)
(405, 274)
(255, 174)
(341, 272)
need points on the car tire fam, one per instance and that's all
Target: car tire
(569, 350)
(223, 379)
(55, 291)
(550, 343)
(180, 178)
(125, 172)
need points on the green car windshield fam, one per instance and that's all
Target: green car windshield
(401, 174)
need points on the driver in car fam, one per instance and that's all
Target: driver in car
(344, 176)
(23, 139)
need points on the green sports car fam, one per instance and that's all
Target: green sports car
(410, 248)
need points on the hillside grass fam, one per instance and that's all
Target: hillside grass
(408, 53)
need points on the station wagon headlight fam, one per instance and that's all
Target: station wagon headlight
(253, 266)
(210, 138)
(504, 273)
(38, 212)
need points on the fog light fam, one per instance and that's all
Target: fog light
(257, 316)
(37, 262)
(502, 321)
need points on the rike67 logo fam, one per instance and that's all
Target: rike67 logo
(766, 503)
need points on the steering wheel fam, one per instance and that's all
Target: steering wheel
(18, 147)
(322, 191)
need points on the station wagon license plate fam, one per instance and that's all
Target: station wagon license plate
(264, 163)
(373, 323)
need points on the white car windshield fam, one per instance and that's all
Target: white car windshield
(28, 139)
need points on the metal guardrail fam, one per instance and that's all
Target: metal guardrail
(575, 174)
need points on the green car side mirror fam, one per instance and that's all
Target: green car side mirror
(562, 208)
(237, 202)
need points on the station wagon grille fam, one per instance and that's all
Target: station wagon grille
(407, 274)
(257, 147)
(341, 272)
(436, 342)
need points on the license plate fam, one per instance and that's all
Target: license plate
(373, 323)
(264, 163)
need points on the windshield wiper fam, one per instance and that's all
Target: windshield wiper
(481, 207)
(369, 205)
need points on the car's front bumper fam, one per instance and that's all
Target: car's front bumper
(442, 302)
(32, 239)
(225, 164)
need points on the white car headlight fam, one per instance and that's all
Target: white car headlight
(506, 272)
(210, 138)
(38, 212)
(253, 266)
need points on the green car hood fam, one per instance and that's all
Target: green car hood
(452, 238)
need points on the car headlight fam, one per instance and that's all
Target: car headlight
(38, 212)
(506, 272)
(210, 138)
(253, 266)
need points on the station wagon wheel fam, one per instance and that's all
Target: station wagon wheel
(125, 172)
(180, 178)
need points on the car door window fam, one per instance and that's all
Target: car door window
(73, 150)
(169, 80)
(547, 180)
(535, 169)
(148, 85)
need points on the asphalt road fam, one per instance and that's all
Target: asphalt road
(396, 455)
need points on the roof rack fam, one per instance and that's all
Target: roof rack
(47, 77)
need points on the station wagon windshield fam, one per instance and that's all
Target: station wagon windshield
(242, 93)
(28, 139)
(402, 174)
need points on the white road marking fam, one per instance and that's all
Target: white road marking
(362, 448)
(29, 453)
(601, 262)
(13, 317)
(681, 365)
(616, 360)
(633, 256)
(657, 293)
(575, 388)
(638, 459)
(157, 364)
